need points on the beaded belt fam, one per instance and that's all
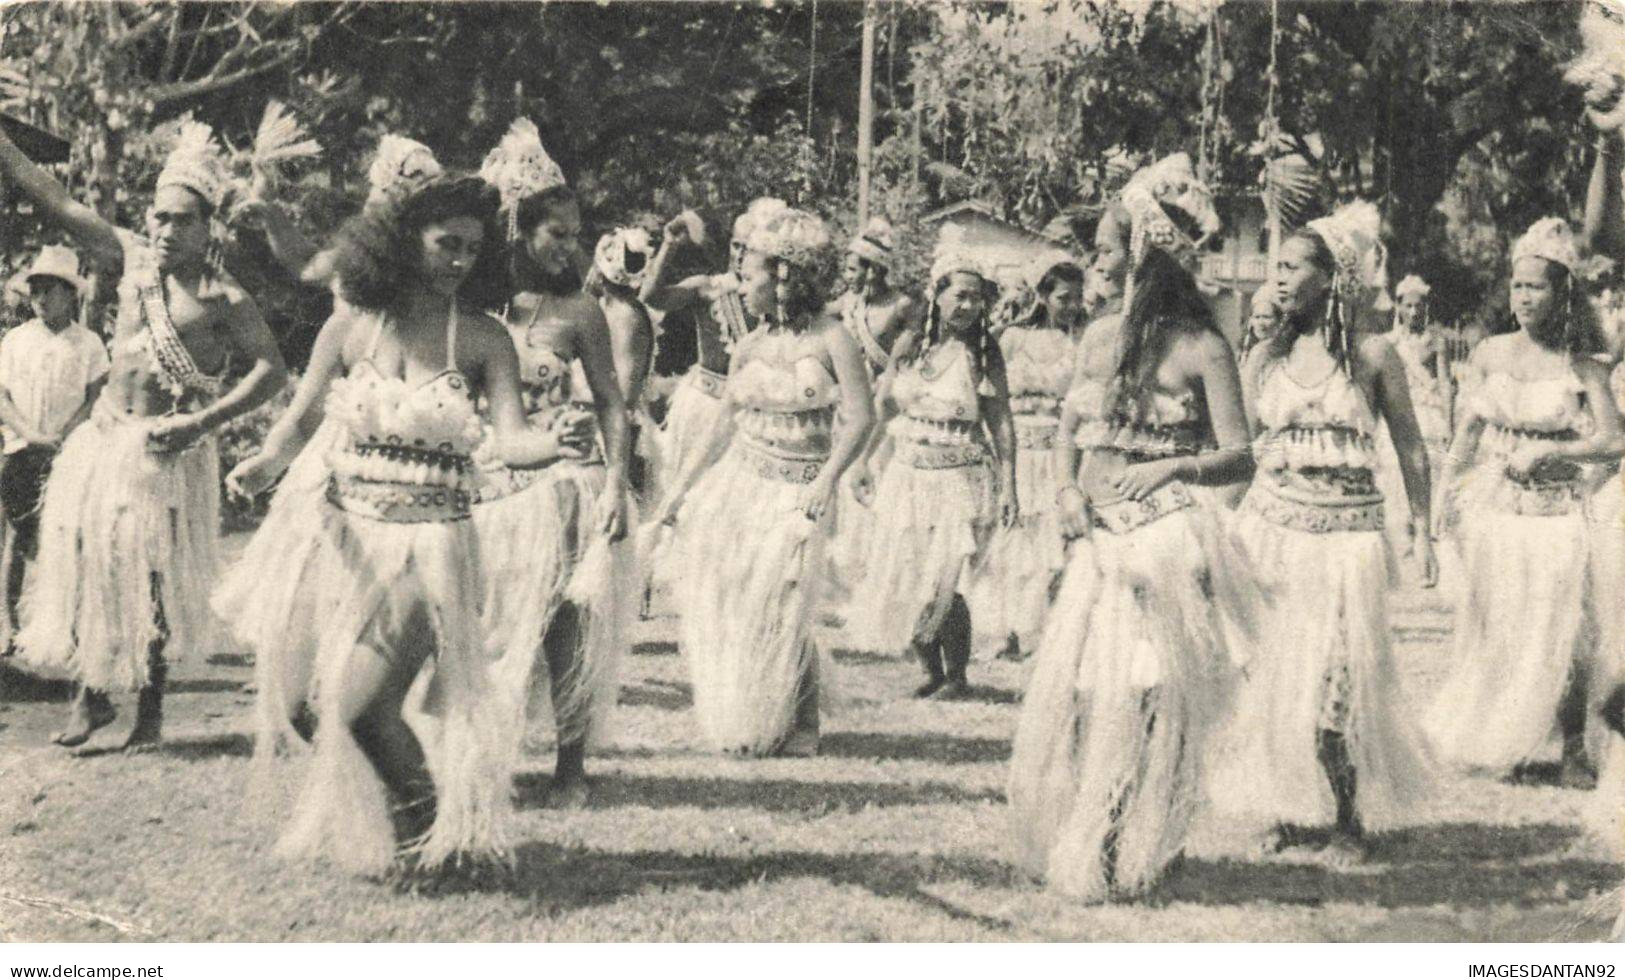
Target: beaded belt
(1527, 498)
(398, 503)
(924, 456)
(1035, 432)
(766, 463)
(441, 458)
(1323, 515)
(1123, 516)
(707, 382)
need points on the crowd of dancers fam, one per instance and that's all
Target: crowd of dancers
(1189, 544)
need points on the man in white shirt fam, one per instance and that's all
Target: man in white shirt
(51, 369)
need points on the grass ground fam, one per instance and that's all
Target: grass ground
(896, 832)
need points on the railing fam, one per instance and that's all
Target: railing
(1228, 268)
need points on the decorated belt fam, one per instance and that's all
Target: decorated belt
(770, 465)
(1525, 498)
(1320, 484)
(1123, 516)
(924, 456)
(1322, 516)
(1035, 432)
(398, 503)
(707, 382)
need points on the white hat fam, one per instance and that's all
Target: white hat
(875, 244)
(1412, 285)
(58, 262)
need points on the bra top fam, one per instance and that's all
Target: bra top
(547, 379)
(775, 373)
(400, 418)
(1551, 404)
(1169, 424)
(1336, 402)
(1038, 361)
(938, 386)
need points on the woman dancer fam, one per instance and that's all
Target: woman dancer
(752, 527)
(940, 493)
(1134, 664)
(558, 588)
(389, 565)
(1321, 736)
(1535, 407)
(1017, 581)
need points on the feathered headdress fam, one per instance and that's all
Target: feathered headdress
(953, 254)
(197, 163)
(876, 243)
(519, 167)
(399, 166)
(1354, 234)
(1550, 239)
(756, 213)
(281, 137)
(1170, 181)
(797, 237)
(622, 256)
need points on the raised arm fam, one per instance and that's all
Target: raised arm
(90, 232)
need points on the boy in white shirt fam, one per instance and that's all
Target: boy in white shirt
(51, 369)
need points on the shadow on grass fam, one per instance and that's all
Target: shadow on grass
(232, 746)
(242, 660)
(655, 648)
(204, 685)
(863, 658)
(771, 795)
(1462, 865)
(18, 686)
(1548, 774)
(925, 747)
(663, 695)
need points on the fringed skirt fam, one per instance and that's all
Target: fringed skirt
(542, 551)
(1324, 664)
(1016, 583)
(933, 511)
(752, 567)
(1523, 626)
(697, 408)
(1131, 676)
(128, 552)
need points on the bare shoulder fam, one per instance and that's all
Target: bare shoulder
(907, 345)
(1207, 346)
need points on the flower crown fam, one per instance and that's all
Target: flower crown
(1353, 234)
(613, 258)
(1550, 239)
(1170, 181)
(400, 166)
(953, 254)
(794, 236)
(519, 168)
(197, 164)
(756, 214)
(876, 243)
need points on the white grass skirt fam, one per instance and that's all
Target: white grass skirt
(1323, 663)
(1014, 585)
(1131, 675)
(752, 568)
(128, 552)
(696, 409)
(540, 548)
(1521, 624)
(928, 527)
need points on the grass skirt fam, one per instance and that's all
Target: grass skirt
(1323, 663)
(541, 549)
(128, 552)
(1521, 625)
(1015, 584)
(928, 527)
(696, 409)
(1130, 677)
(752, 568)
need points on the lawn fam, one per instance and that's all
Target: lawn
(896, 832)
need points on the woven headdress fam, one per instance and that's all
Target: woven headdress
(400, 166)
(1170, 181)
(953, 254)
(794, 236)
(519, 168)
(197, 163)
(876, 244)
(756, 214)
(1353, 233)
(1550, 239)
(622, 256)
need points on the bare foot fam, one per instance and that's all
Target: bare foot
(952, 691)
(90, 712)
(1344, 850)
(929, 688)
(571, 791)
(802, 744)
(1577, 773)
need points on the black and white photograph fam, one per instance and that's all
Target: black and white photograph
(812, 471)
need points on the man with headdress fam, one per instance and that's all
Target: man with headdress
(130, 520)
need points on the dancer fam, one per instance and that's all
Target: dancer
(1016, 583)
(389, 565)
(1421, 349)
(1320, 733)
(619, 263)
(260, 611)
(1134, 665)
(558, 586)
(51, 370)
(752, 527)
(1535, 407)
(940, 493)
(131, 517)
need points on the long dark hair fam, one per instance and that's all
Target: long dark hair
(377, 257)
(1063, 272)
(531, 212)
(1334, 322)
(1573, 326)
(932, 331)
(1165, 304)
